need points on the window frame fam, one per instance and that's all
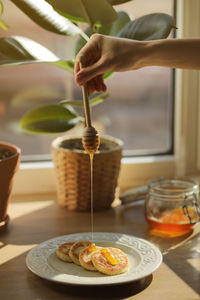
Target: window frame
(39, 177)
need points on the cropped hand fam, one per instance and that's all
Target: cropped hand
(111, 54)
(103, 54)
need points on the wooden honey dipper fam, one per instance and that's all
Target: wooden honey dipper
(90, 138)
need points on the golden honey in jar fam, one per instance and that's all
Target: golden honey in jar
(172, 206)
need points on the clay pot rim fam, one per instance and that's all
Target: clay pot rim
(12, 147)
(55, 145)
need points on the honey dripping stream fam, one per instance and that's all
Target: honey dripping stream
(91, 151)
(91, 195)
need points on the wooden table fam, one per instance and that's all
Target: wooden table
(39, 218)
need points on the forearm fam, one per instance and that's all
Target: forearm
(172, 53)
(110, 54)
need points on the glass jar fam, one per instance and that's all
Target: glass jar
(172, 206)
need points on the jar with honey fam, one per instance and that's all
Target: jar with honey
(172, 206)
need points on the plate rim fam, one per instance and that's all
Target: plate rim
(73, 236)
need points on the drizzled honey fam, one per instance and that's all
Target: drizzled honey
(90, 140)
(110, 258)
(92, 248)
(91, 152)
(90, 137)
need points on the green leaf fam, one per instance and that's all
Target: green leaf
(49, 119)
(3, 25)
(98, 98)
(87, 11)
(65, 64)
(116, 2)
(81, 42)
(94, 100)
(117, 25)
(111, 29)
(45, 16)
(149, 27)
(76, 103)
(1, 8)
(36, 94)
(15, 50)
(107, 75)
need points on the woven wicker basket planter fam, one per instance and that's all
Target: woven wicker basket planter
(72, 167)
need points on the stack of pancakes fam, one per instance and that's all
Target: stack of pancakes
(109, 260)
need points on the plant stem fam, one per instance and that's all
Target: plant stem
(84, 36)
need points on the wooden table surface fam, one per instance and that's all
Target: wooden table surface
(36, 219)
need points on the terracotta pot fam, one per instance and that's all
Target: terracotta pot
(72, 167)
(8, 166)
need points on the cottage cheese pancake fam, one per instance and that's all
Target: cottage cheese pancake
(63, 252)
(85, 257)
(76, 249)
(110, 261)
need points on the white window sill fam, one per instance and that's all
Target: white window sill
(39, 177)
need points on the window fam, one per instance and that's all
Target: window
(27, 86)
(23, 82)
(122, 115)
(140, 107)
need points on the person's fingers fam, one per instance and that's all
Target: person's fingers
(97, 83)
(77, 66)
(90, 72)
(90, 86)
(90, 52)
(103, 87)
(101, 81)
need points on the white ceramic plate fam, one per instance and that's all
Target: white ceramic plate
(143, 256)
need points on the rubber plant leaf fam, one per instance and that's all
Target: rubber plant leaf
(16, 50)
(122, 20)
(111, 29)
(98, 12)
(42, 13)
(94, 100)
(49, 119)
(3, 25)
(98, 98)
(1, 7)
(116, 2)
(149, 27)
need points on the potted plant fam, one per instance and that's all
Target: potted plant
(9, 164)
(75, 18)
(73, 172)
